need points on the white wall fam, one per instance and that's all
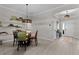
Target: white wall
(44, 30)
(5, 14)
(72, 28)
(49, 33)
(76, 28)
(69, 27)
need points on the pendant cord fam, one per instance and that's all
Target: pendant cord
(26, 10)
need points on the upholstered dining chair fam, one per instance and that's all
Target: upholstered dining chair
(15, 33)
(34, 37)
(22, 40)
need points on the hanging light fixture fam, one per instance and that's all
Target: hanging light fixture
(26, 10)
(67, 15)
(27, 20)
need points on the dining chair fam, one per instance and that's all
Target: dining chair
(34, 37)
(14, 37)
(22, 40)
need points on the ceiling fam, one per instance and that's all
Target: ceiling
(37, 10)
(33, 8)
(74, 13)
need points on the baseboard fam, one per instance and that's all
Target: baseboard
(50, 39)
(7, 41)
(72, 37)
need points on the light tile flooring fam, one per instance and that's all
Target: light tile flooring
(62, 46)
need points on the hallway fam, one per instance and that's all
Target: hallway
(62, 46)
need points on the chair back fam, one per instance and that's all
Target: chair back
(15, 34)
(22, 36)
(36, 34)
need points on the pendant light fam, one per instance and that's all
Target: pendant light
(27, 20)
(67, 15)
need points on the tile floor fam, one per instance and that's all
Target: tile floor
(62, 46)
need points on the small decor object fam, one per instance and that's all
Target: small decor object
(20, 18)
(13, 18)
(3, 32)
(11, 25)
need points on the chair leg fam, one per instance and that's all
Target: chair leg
(16, 42)
(18, 46)
(36, 42)
(25, 46)
(13, 42)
